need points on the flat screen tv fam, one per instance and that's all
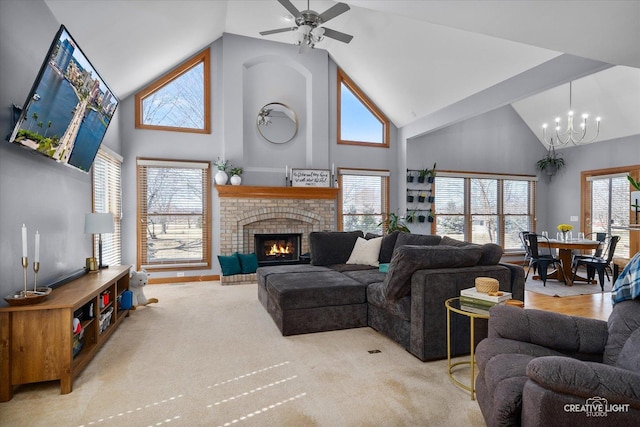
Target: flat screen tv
(69, 107)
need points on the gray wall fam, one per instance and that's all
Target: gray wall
(246, 74)
(34, 190)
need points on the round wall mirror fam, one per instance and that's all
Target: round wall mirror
(277, 123)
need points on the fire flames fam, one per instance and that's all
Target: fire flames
(278, 250)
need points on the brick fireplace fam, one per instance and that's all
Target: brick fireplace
(249, 210)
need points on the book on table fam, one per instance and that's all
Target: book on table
(475, 295)
(474, 308)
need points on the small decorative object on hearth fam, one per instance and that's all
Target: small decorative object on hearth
(565, 229)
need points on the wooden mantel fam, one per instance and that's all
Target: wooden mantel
(261, 192)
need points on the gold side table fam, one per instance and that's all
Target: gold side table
(453, 305)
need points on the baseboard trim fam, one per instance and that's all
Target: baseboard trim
(163, 280)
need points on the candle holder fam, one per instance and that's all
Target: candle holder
(25, 264)
(36, 267)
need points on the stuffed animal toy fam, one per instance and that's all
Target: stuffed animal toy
(138, 280)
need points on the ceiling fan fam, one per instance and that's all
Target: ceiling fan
(309, 30)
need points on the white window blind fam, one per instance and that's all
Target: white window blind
(364, 199)
(107, 197)
(173, 212)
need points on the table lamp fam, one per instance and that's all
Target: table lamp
(98, 223)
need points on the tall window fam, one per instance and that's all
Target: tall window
(364, 198)
(178, 101)
(606, 206)
(173, 214)
(360, 122)
(107, 197)
(484, 208)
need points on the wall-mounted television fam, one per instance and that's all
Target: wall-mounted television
(69, 107)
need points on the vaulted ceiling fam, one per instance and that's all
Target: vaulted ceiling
(413, 58)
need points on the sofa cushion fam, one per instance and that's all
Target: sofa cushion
(366, 252)
(400, 308)
(366, 276)
(342, 268)
(491, 253)
(404, 239)
(317, 289)
(332, 247)
(622, 322)
(505, 376)
(409, 259)
(629, 357)
(387, 246)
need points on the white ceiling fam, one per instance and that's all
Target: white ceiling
(412, 58)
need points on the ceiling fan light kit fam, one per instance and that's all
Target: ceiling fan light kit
(309, 30)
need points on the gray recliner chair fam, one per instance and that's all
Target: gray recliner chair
(539, 368)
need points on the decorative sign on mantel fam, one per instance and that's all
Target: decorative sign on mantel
(310, 178)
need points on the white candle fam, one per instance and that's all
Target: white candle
(37, 255)
(333, 169)
(286, 171)
(24, 240)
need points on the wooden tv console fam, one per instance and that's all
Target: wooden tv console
(37, 341)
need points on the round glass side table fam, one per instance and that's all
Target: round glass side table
(453, 305)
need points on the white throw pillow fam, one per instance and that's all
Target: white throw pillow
(366, 252)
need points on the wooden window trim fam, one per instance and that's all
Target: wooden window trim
(585, 199)
(203, 57)
(141, 229)
(385, 208)
(342, 77)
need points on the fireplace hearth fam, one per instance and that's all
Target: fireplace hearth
(277, 248)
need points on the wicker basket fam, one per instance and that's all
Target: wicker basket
(486, 284)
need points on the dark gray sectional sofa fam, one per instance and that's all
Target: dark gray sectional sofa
(406, 303)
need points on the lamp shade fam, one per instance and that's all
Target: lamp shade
(96, 223)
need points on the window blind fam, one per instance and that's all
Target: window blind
(173, 214)
(107, 197)
(364, 199)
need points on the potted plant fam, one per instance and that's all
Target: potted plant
(430, 217)
(635, 195)
(411, 216)
(221, 176)
(410, 176)
(421, 217)
(236, 175)
(551, 163)
(422, 197)
(432, 174)
(392, 222)
(422, 175)
(410, 197)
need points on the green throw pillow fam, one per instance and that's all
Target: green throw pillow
(230, 265)
(248, 263)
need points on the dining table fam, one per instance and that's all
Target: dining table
(565, 253)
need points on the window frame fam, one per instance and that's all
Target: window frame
(358, 93)
(501, 215)
(384, 173)
(204, 58)
(114, 196)
(141, 231)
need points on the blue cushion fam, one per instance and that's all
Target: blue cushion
(248, 263)
(230, 264)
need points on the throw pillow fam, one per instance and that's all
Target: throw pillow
(404, 239)
(366, 252)
(332, 247)
(248, 263)
(409, 259)
(230, 265)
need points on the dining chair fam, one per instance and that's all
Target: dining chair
(536, 244)
(527, 251)
(600, 264)
(597, 236)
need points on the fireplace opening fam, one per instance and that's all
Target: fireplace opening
(280, 248)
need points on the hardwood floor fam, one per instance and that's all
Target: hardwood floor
(596, 306)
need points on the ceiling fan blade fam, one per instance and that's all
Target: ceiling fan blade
(279, 30)
(344, 38)
(290, 7)
(334, 11)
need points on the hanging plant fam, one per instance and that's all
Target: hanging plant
(551, 163)
(422, 175)
(432, 174)
(410, 177)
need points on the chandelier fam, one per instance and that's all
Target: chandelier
(576, 136)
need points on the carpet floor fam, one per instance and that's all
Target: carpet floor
(208, 355)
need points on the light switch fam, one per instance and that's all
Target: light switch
(573, 218)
